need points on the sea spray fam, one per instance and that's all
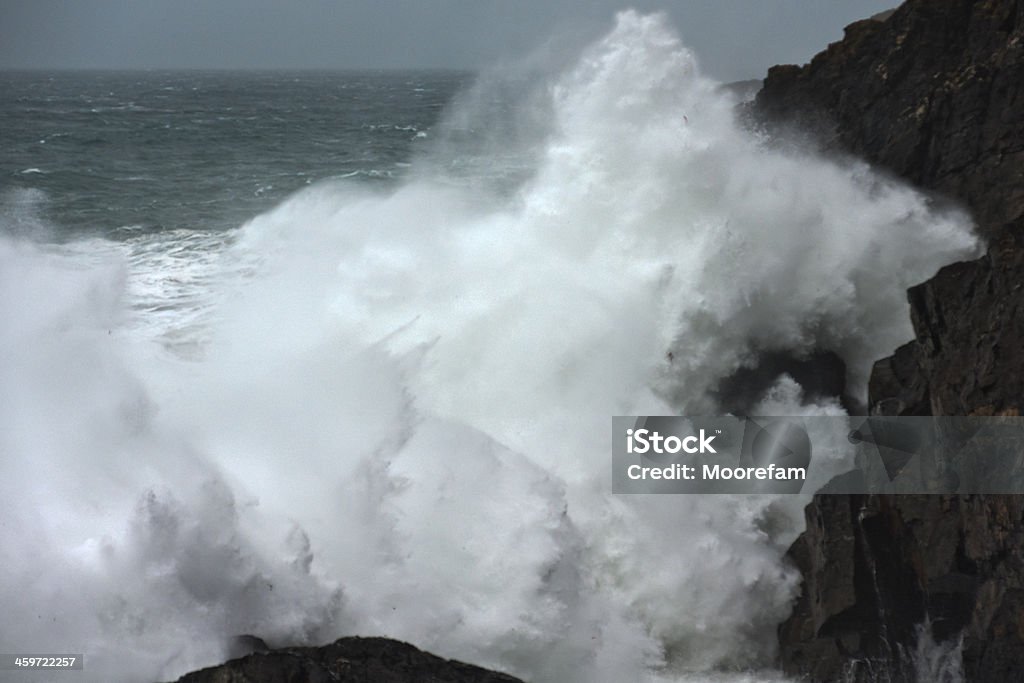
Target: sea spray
(398, 422)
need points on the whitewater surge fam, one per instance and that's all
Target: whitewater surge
(397, 420)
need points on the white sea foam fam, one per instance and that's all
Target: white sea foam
(400, 420)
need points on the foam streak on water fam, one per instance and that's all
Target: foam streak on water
(398, 422)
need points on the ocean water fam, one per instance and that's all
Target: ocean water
(119, 153)
(304, 355)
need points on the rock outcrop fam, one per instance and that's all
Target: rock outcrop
(348, 660)
(933, 93)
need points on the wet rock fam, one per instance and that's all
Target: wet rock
(933, 93)
(352, 660)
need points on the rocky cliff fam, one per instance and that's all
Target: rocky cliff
(934, 93)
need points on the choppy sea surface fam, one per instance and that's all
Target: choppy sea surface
(122, 152)
(304, 355)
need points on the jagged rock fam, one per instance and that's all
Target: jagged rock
(353, 660)
(876, 567)
(933, 93)
(969, 327)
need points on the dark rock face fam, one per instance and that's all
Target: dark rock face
(967, 357)
(354, 660)
(933, 93)
(875, 568)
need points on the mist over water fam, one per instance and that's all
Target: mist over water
(387, 411)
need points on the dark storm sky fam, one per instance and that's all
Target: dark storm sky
(734, 38)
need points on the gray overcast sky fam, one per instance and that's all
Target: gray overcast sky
(734, 39)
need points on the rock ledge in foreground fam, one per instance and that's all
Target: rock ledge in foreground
(347, 660)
